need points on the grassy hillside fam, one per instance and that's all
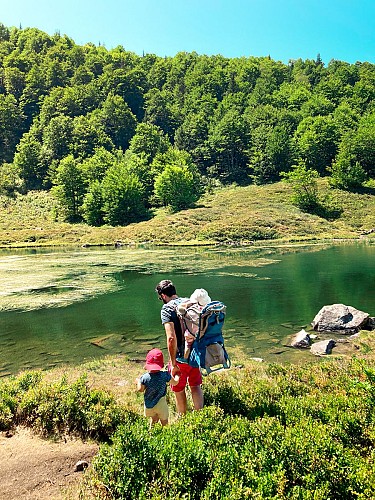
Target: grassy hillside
(231, 214)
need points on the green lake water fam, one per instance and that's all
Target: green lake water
(70, 306)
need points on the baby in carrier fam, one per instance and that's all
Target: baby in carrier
(189, 313)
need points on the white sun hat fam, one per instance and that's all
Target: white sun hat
(200, 295)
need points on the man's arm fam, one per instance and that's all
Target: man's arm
(171, 345)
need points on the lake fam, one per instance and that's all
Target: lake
(69, 306)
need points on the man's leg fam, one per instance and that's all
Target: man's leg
(195, 382)
(197, 395)
(181, 402)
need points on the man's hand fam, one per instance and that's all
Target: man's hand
(175, 370)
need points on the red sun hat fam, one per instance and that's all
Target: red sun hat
(154, 360)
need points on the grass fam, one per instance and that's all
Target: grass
(237, 215)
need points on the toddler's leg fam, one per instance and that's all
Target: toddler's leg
(154, 420)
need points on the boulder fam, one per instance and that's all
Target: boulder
(301, 340)
(323, 347)
(340, 318)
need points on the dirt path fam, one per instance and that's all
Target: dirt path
(34, 468)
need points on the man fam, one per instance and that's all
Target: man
(175, 344)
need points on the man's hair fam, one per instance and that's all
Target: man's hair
(166, 287)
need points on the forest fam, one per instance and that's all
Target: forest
(114, 135)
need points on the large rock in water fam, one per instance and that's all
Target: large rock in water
(340, 318)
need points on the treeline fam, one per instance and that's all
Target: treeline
(115, 134)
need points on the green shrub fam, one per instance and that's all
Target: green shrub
(347, 174)
(11, 392)
(304, 186)
(70, 408)
(126, 466)
(207, 455)
(10, 180)
(177, 187)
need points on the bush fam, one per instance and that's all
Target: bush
(347, 174)
(177, 187)
(58, 408)
(207, 455)
(123, 197)
(304, 186)
(92, 208)
(10, 180)
(126, 466)
(62, 408)
(11, 392)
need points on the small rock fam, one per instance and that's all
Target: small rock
(260, 360)
(323, 347)
(80, 466)
(301, 340)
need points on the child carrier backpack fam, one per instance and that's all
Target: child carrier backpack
(207, 352)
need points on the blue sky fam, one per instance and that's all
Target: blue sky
(289, 29)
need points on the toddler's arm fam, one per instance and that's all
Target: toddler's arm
(140, 386)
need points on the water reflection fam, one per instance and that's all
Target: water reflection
(68, 306)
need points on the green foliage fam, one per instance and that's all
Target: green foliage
(359, 144)
(58, 408)
(240, 119)
(274, 431)
(126, 466)
(123, 196)
(10, 394)
(69, 187)
(10, 180)
(347, 174)
(92, 207)
(11, 126)
(177, 187)
(148, 140)
(295, 432)
(118, 121)
(95, 167)
(316, 140)
(304, 186)
(28, 161)
(70, 408)
(228, 143)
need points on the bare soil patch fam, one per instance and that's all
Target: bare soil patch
(36, 468)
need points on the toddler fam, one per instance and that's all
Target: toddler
(198, 299)
(154, 385)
